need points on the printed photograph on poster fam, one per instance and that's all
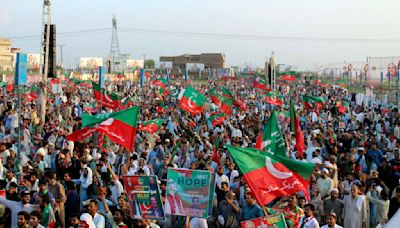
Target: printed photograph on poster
(144, 197)
(273, 221)
(188, 192)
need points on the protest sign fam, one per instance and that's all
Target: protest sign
(144, 197)
(273, 221)
(188, 192)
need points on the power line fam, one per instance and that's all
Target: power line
(71, 33)
(254, 37)
(213, 36)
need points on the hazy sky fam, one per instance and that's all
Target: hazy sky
(326, 19)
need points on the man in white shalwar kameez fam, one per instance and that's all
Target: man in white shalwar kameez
(355, 209)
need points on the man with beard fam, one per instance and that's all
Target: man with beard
(334, 204)
(23, 220)
(17, 207)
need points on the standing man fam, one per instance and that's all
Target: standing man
(331, 221)
(308, 220)
(98, 219)
(17, 207)
(334, 204)
(355, 209)
(251, 210)
(228, 210)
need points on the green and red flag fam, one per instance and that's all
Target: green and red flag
(223, 102)
(261, 84)
(240, 104)
(103, 142)
(343, 107)
(152, 125)
(161, 82)
(288, 77)
(217, 118)
(160, 108)
(272, 98)
(270, 176)
(313, 102)
(271, 139)
(296, 129)
(215, 98)
(236, 102)
(32, 96)
(276, 221)
(226, 92)
(192, 101)
(226, 104)
(161, 93)
(215, 156)
(110, 100)
(10, 87)
(120, 127)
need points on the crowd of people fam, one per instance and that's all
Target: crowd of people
(58, 183)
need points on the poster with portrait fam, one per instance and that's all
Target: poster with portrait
(273, 221)
(188, 192)
(144, 197)
(383, 69)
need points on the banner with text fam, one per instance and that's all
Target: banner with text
(188, 192)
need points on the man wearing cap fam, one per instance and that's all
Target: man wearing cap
(334, 204)
(324, 183)
(331, 221)
(16, 207)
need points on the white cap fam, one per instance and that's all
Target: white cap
(86, 217)
(41, 151)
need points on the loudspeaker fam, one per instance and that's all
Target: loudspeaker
(51, 72)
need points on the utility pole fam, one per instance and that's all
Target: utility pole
(44, 57)
(62, 56)
(144, 61)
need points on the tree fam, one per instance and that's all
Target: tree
(149, 63)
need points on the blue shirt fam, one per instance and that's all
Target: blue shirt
(376, 155)
(251, 212)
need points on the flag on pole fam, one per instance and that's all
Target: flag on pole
(110, 100)
(217, 118)
(295, 127)
(236, 102)
(152, 125)
(270, 176)
(223, 102)
(271, 139)
(192, 101)
(161, 82)
(120, 127)
(261, 84)
(272, 98)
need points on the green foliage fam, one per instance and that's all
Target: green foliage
(149, 63)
